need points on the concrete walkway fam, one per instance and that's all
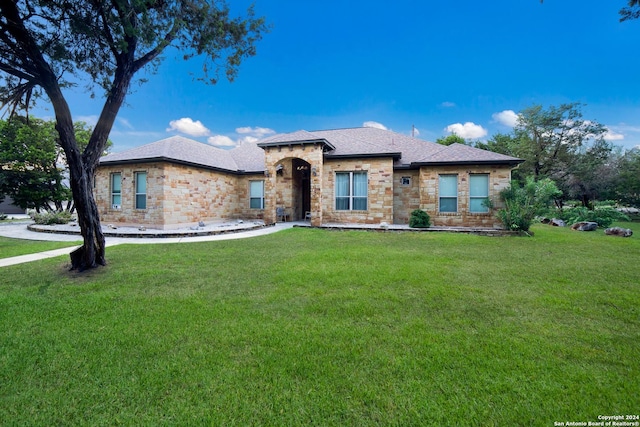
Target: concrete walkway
(19, 230)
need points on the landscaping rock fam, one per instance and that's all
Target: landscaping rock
(556, 222)
(585, 226)
(618, 231)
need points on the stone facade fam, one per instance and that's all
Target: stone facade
(283, 185)
(379, 195)
(177, 195)
(300, 181)
(499, 178)
(406, 195)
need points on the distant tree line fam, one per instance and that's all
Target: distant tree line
(557, 143)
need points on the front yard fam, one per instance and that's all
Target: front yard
(328, 328)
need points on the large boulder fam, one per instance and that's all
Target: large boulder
(557, 222)
(618, 231)
(585, 226)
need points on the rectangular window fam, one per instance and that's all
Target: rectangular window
(448, 190)
(351, 191)
(256, 194)
(478, 192)
(405, 180)
(116, 190)
(141, 190)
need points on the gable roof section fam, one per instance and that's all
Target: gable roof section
(406, 151)
(177, 149)
(464, 154)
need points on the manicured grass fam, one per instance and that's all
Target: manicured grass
(15, 247)
(310, 327)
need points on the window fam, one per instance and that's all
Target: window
(351, 191)
(256, 194)
(141, 190)
(405, 180)
(448, 190)
(478, 192)
(116, 190)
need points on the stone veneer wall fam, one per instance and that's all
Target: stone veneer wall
(499, 178)
(406, 198)
(380, 191)
(176, 195)
(243, 208)
(278, 188)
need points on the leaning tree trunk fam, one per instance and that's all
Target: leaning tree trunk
(92, 252)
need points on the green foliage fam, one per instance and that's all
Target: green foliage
(49, 218)
(524, 203)
(451, 139)
(626, 185)
(603, 215)
(419, 219)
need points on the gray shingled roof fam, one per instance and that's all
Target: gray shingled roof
(246, 157)
(460, 153)
(407, 151)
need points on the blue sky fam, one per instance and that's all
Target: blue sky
(441, 66)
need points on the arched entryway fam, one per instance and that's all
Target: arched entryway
(293, 187)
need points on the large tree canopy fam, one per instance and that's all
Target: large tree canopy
(45, 45)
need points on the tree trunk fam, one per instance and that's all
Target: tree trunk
(92, 252)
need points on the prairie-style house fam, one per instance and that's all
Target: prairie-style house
(357, 175)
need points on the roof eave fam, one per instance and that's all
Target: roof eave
(357, 156)
(167, 160)
(513, 163)
(320, 141)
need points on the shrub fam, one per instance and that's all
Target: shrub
(604, 216)
(522, 204)
(49, 218)
(419, 219)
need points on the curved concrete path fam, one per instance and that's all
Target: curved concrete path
(19, 231)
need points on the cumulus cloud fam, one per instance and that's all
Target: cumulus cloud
(372, 124)
(243, 135)
(188, 126)
(221, 141)
(506, 117)
(448, 104)
(469, 130)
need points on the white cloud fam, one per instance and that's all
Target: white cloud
(448, 104)
(468, 130)
(256, 131)
(372, 124)
(221, 141)
(187, 126)
(611, 135)
(244, 134)
(506, 117)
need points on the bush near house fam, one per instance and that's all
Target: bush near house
(419, 219)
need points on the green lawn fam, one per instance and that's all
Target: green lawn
(312, 327)
(15, 247)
